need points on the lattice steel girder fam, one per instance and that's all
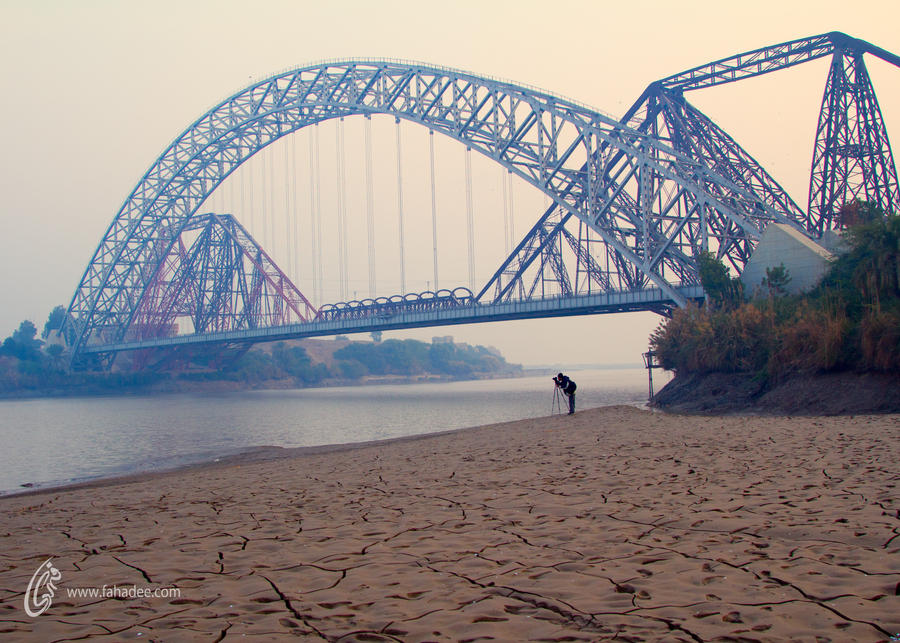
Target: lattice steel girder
(769, 59)
(509, 279)
(674, 120)
(557, 145)
(852, 157)
(586, 264)
(539, 260)
(685, 224)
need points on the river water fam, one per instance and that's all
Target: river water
(49, 442)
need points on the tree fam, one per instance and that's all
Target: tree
(295, 361)
(22, 344)
(856, 212)
(870, 269)
(876, 247)
(777, 280)
(55, 353)
(54, 321)
(352, 369)
(722, 290)
(26, 334)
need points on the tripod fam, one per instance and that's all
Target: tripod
(556, 403)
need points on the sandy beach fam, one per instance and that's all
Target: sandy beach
(614, 523)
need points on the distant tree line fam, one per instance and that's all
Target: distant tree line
(32, 365)
(410, 357)
(283, 362)
(851, 321)
(357, 360)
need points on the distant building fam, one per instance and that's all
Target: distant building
(806, 261)
(446, 339)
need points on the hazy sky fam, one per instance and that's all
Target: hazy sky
(94, 91)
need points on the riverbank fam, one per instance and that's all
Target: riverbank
(821, 394)
(614, 522)
(52, 442)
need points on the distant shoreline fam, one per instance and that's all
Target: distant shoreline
(178, 385)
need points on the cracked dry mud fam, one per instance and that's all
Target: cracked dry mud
(611, 524)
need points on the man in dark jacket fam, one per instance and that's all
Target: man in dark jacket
(568, 387)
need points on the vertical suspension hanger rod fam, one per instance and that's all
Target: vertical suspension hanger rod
(232, 200)
(315, 205)
(506, 235)
(296, 210)
(370, 207)
(250, 201)
(470, 218)
(345, 212)
(270, 196)
(434, 231)
(512, 210)
(339, 157)
(314, 269)
(289, 241)
(400, 210)
(266, 242)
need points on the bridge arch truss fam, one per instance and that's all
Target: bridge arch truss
(653, 204)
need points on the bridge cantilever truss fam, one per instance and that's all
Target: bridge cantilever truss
(219, 280)
(647, 194)
(852, 156)
(852, 160)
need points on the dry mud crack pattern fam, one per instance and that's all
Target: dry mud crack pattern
(613, 524)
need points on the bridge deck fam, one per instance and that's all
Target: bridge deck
(650, 299)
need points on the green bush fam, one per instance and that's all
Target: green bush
(850, 321)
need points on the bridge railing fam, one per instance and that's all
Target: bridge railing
(397, 304)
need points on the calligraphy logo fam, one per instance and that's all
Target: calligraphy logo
(39, 595)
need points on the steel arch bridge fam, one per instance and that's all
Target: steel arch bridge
(647, 194)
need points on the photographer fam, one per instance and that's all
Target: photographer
(568, 387)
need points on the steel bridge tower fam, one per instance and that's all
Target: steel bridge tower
(852, 158)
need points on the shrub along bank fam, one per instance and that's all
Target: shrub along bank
(849, 324)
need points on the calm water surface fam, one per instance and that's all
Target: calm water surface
(54, 441)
